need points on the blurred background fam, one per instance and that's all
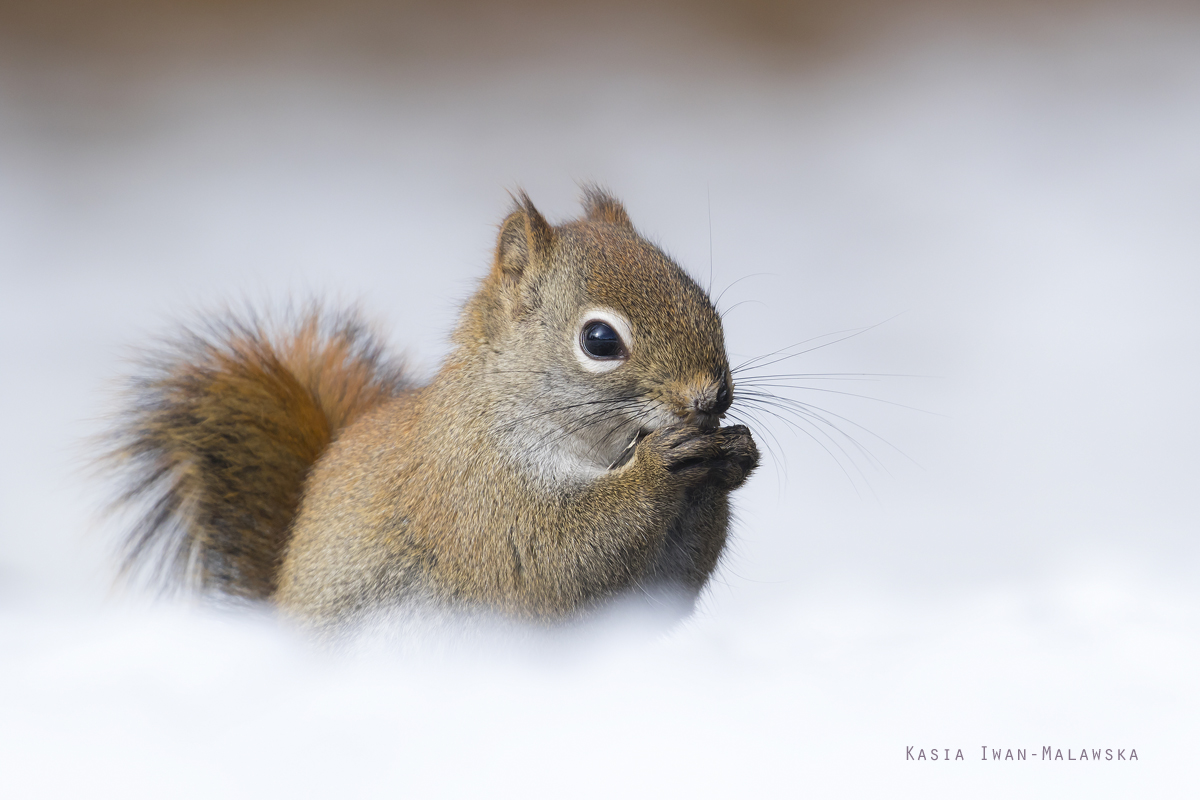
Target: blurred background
(991, 543)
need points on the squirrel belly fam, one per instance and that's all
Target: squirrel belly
(567, 454)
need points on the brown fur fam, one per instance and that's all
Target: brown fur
(469, 514)
(505, 485)
(223, 431)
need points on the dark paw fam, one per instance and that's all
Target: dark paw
(739, 457)
(722, 458)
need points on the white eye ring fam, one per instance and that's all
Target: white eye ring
(611, 318)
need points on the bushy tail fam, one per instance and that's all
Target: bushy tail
(220, 434)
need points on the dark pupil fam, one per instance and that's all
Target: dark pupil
(601, 341)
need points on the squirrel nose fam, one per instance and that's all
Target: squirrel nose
(715, 403)
(724, 397)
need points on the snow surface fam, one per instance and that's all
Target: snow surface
(1014, 567)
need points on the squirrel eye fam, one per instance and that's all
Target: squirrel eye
(600, 341)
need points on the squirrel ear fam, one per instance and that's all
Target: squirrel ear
(600, 206)
(525, 239)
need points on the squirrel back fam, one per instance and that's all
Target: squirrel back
(220, 434)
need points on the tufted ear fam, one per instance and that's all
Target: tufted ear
(600, 206)
(525, 241)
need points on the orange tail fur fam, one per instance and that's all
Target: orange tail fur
(221, 432)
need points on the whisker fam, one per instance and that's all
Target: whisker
(801, 429)
(589, 419)
(747, 418)
(728, 311)
(853, 394)
(534, 386)
(830, 375)
(597, 417)
(808, 407)
(708, 193)
(558, 409)
(850, 334)
(717, 302)
(814, 414)
(806, 414)
(747, 363)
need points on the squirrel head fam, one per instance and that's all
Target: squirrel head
(596, 332)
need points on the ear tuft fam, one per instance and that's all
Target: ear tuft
(525, 240)
(600, 206)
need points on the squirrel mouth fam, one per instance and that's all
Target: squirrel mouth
(627, 453)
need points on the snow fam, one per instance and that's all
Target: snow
(1015, 567)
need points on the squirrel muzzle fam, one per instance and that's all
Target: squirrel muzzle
(708, 405)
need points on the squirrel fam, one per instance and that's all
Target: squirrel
(569, 452)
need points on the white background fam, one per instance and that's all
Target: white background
(1014, 196)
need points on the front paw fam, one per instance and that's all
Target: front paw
(739, 457)
(723, 458)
